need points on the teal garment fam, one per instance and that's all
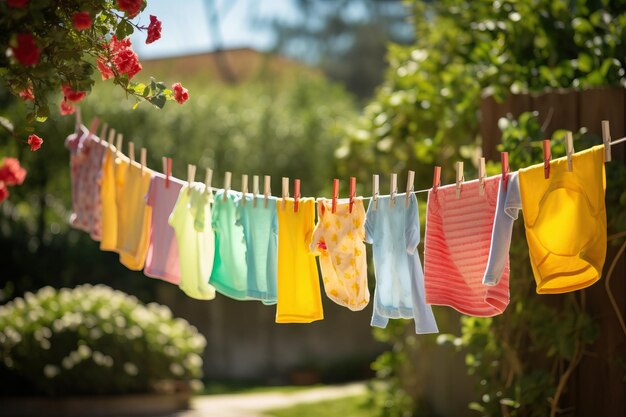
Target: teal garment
(260, 229)
(230, 272)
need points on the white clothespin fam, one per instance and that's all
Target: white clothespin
(244, 189)
(285, 190)
(111, 138)
(227, 178)
(481, 176)
(606, 139)
(569, 149)
(131, 151)
(255, 189)
(375, 191)
(143, 158)
(409, 187)
(191, 176)
(267, 189)
(459, 178)
(118, 144)
(393, 186)
(208, 178)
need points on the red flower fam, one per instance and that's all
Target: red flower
(27, 94)
(180, 93)
(127, 62)
(72, 95)
(154, 30)
(11, 173)
(17, 4)
(26, 51)
(104, 68)
(130, 7)
(67, 108)
(4, 192)
(35, 142)
(123, 58)
(81, 20)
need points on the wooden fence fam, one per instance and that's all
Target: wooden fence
(598, 387)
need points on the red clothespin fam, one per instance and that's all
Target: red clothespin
(352, 191)
(335, 194)
(546, 158)
(504, 158)
(296, 194)
(436, 178)
(167, 170)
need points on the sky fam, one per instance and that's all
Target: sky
(186, 25)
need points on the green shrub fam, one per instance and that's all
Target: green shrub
(93, 340)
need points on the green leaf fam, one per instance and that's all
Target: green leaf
(585, 62)
(158, 101)
(135, 105)
(123, 29)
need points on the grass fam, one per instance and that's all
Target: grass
(356, 406)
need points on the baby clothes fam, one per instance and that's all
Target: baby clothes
(162, 258)
(72, 143)
(338, 239)
(456, 249)
(565, 221)
(108, 190)
(196, 245)
(133, 215)
(299, 297)
(394, 233)
(260, 230)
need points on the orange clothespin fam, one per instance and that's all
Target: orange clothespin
(335, 194)
(546, 158)
(504, 157)
(436, 178)
(352, 191)
(296, 194)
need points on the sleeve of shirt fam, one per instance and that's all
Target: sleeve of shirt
(413, 226)
(378, 320)
(507, 210)
(370, 217)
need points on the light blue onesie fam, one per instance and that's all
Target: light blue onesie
(394, 233)
(507, 209)
(260, 229)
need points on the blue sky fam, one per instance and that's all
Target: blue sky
(186, 25)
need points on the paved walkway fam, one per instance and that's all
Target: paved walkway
(253, 405)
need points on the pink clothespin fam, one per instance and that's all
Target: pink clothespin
(546, 158)
(352, 191)
(504, 157)
(296, 194)
(335, 194)
(436, 178)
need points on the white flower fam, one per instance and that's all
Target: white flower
(131, 369)
(50, 371)
(84, 351)
(177, 369)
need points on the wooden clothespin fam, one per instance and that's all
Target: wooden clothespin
(227, 178)
(94, 126)
(352, 192)
(410, 179)
(244, 189)
(569, 149)
(393, 189)
(285, 190)
(296, 194)
(504, 158)
(111, 138)
(481, 176)
(131, 151)
(208, 179)
(79, 120)
(267, 189)
(436, 178)
(546, 158)
(335, 194)
(103, 132)
(459, 178)
(143, 156)
(191, 176)
(375, 191)
(606, 139)
(119, 142)
(167, 170)
(255, 189)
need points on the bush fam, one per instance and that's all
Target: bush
(93, 340)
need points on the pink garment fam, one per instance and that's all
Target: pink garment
(162, 259)
(458, 236)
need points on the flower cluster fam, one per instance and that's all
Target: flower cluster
(11, 173)
(119, 55)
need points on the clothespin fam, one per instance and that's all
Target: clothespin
(296, 194)
(143, 159)
(606, 139)
(227, 178)
(481, 176)
(167, 170)
(191, 176)
(111, 138)
(393, 187)
(459, 178)
(569, 149)
(352, 192)
(335, 194)
(410, 179)
(375, 191)
(546, 158)
(436, 178)
(208, 178)
(285, 190)
(267, 189)
(94, 125)
(504, 158)
(79, 120)
(103, 132)
(118, 144)
(255, 189)
(244, 189)
(131, 151)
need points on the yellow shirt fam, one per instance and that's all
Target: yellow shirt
(565, 221)
(299, 297)
(133, 214)
(109, 207)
